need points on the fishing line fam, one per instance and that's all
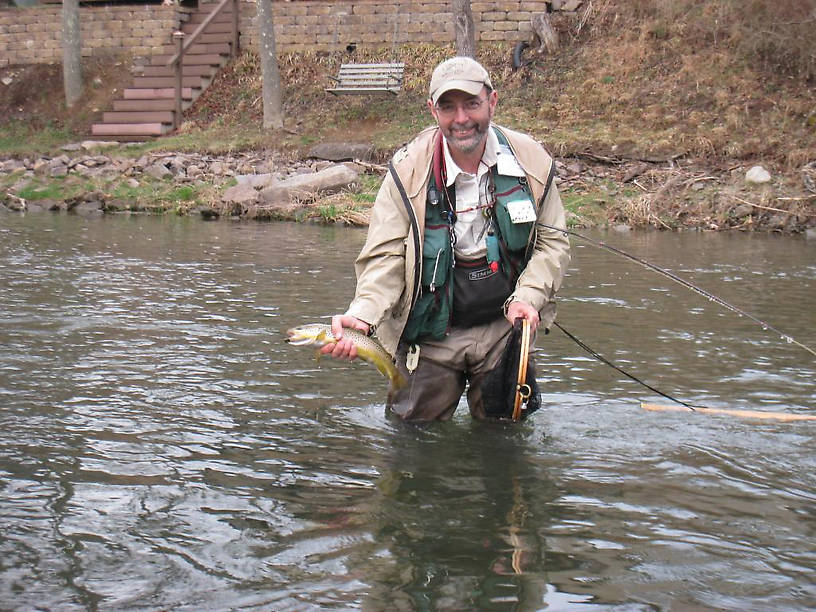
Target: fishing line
(687, 284)
(604, 360)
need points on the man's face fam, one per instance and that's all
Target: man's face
(463, 118)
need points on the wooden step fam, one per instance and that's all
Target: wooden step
(143, 105)
(198, 59)
(202, 70)
(215, 37)
(135, 93)
(197, 19)
(167, 81)
(199, 16)
(148, 105)
(217, 27)
(129, 129)
(199, 48)
(165, 116)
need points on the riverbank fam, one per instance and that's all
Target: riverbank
(655, 111)
(340, 187)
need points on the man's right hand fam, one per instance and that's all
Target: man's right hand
(343, 348)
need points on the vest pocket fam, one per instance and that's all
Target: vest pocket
(430, 316)
(436, 258)
(514, 235)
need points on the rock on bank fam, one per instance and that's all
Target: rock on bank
(89, 178)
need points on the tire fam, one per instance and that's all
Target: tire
(518, 55)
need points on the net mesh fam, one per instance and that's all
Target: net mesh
(499, 386)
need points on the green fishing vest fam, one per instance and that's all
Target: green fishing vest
(430, 316)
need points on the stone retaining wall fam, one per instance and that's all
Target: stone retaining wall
(332, 26)
(34, 35)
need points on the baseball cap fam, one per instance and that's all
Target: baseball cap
(462, 73)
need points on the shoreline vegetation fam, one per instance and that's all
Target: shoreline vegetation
(659, 114)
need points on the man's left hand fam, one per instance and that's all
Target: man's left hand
(525, 311)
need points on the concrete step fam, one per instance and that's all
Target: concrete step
(165, 116)
(202, 70)
(129, 129)
(161, 104)
(198, 59)
(152, 93)
(169, 81)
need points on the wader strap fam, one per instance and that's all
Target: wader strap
(523, 390)
(412, 218)
(550, 178)
(547, 186)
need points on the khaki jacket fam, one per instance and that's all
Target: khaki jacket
(386, 266)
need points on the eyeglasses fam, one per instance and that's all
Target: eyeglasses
(448, 109)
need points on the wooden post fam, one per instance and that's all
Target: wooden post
(178, 36)
(235, 34)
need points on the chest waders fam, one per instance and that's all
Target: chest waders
(508, 246)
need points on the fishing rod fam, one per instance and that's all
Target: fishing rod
(749, 414)
(606, 361)
(687, 284)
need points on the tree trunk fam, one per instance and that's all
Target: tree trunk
(547, 37)
(465, 30)
(71, 52)
(272, 105)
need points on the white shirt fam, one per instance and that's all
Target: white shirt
(472, 191)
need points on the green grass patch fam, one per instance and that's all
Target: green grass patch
(366, 191)
(56, 188)
(364, 198)
(158, 194)
(184, 193)
(19, 139)
(53, 191)
(584, 208)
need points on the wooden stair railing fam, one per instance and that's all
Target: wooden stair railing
(184, 46)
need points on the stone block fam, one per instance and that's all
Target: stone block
(330, 180)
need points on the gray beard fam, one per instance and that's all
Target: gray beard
(472, 143)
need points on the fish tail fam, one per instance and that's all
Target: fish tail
(390, 371)
(383, 368)
(398, 381)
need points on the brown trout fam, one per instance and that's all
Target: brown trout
(368, 349)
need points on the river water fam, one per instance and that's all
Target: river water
(162, 448)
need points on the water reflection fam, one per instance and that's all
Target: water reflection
(462, 510)
(162, 448)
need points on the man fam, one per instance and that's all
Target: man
(456, 250)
